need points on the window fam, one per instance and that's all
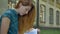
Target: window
(42, 13)
(51, 20)
(11, 3)
(57, 17)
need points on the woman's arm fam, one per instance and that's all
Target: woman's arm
(5, 25)
(38, 31)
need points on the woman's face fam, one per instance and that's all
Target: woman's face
(24, 9)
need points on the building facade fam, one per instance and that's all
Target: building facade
(49, 13)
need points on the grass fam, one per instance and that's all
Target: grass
(50, 31)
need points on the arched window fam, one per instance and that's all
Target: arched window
(42, 13)
(51, 19)
(57, 17)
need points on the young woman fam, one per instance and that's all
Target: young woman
(26, 22)
(18, 20)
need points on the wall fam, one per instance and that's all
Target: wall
(3, 6)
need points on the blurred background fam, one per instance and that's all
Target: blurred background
(47, 17)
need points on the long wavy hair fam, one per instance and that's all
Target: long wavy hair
(26, 21)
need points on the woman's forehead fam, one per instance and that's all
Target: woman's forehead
(27, 2)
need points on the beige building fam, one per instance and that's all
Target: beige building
(49, 13)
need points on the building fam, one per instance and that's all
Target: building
(49, 13)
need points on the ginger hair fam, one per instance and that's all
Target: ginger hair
(26, 21)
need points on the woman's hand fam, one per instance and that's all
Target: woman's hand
(38, 30)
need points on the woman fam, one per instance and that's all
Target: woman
(26, 21)
(20, 19)
(10, 19)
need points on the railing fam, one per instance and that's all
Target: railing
(58, 5)
(51, 2)
(44, 0)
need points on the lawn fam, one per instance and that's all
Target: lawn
(50, 31)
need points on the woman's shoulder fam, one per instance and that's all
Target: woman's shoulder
(9, 12)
